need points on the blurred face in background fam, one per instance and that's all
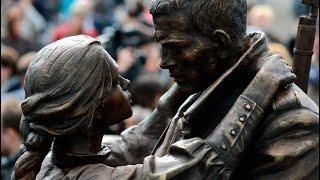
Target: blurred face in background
(76, 24)
(10, 141)
(4, 143)
(261, 16)
(80, 10)
(10, 120)
(9, 57)
(14, 19)
(5, 73)
(153, 57)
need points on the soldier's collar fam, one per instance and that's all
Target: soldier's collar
(258, 47)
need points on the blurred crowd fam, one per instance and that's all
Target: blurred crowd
(125, 29)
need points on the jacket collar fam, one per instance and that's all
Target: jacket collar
(258, 47)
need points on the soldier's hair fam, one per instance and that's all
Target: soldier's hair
(207, 16)
(65, 83)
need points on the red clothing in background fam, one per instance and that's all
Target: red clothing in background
(64, 30)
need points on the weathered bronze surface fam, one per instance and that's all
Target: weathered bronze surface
(241, 117)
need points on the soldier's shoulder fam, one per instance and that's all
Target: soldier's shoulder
(293, 98)
(290, 107)
(292, 113)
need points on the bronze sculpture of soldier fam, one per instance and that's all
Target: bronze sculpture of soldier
(241, 117)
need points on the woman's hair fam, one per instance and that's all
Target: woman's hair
(64, 84)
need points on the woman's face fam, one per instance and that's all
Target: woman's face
(117, 107)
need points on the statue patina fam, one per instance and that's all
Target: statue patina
(234, 112)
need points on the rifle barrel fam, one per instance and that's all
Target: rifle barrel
(303, 50)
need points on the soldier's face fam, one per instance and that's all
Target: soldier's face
(189, 56)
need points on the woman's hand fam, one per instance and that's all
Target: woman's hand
(172, 100)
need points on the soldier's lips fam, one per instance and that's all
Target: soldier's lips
(179, 80)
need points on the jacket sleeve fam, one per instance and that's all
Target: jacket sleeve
(136, 142)
(217, 156)
(187, 160)
(288, 147)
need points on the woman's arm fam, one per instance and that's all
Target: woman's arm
(138, 141)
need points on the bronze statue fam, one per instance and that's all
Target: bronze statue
(73, 91)
(244, 118)
(270, 128)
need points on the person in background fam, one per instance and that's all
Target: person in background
(146, 91)
(9, 81)
(33, 22)
(153, 58)
(22, 66)
(80, 11)
(104, 14)
(129, 66)
(48, 9)
(260, 18)
(11, 138)
(143, 59)
(135, 19)
(14, 28)
(64, 9)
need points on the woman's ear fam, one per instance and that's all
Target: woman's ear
(223, 40)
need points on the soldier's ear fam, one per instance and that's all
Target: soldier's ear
(223, 40)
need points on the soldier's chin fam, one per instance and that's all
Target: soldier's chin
(127, 114)
(186, 88)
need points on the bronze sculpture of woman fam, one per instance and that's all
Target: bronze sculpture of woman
(72, 87)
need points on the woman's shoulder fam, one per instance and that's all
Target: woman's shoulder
(90, 171)
(103, 172)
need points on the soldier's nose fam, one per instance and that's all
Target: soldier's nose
(167, 63)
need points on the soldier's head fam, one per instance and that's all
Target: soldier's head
(200, 38)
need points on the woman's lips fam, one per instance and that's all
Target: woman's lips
(130, 98)
(131, 102)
